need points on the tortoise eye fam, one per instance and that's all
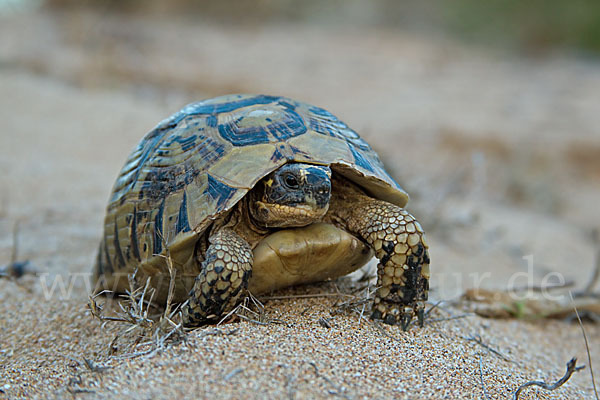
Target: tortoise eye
(291, 181)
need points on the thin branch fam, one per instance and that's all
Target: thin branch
(587, 347)
(477, 339)
(571, 368)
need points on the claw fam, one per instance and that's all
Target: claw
(421, 316)
(406, 318)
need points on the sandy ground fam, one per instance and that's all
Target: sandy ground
(501, 156)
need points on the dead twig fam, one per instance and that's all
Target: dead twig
(134, 311)
(244, 311)
(357, 303)
(571, 368)
(433, 307)
(587, 347)
(477, 339)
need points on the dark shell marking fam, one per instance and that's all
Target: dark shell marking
(201, 161)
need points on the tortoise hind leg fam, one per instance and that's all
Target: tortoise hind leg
(223, 278)
(399, 244)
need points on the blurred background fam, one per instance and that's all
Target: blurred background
(488, 113)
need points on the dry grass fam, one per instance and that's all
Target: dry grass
(146, 333)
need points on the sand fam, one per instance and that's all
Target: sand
(500, 155)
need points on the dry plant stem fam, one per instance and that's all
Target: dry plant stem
(135, 312)
(571, 368)
(485, 393)
(587, 347)
(172, 273)
(477, 339)
(433, 307)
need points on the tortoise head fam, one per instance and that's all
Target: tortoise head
(294, 195)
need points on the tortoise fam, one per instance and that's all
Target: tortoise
(255, 193)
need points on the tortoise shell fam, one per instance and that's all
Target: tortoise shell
(198, 163)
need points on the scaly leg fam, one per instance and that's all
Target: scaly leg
(223, 278)
(399, 244)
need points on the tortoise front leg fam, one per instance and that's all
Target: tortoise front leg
(399, 244)
(223, 278)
